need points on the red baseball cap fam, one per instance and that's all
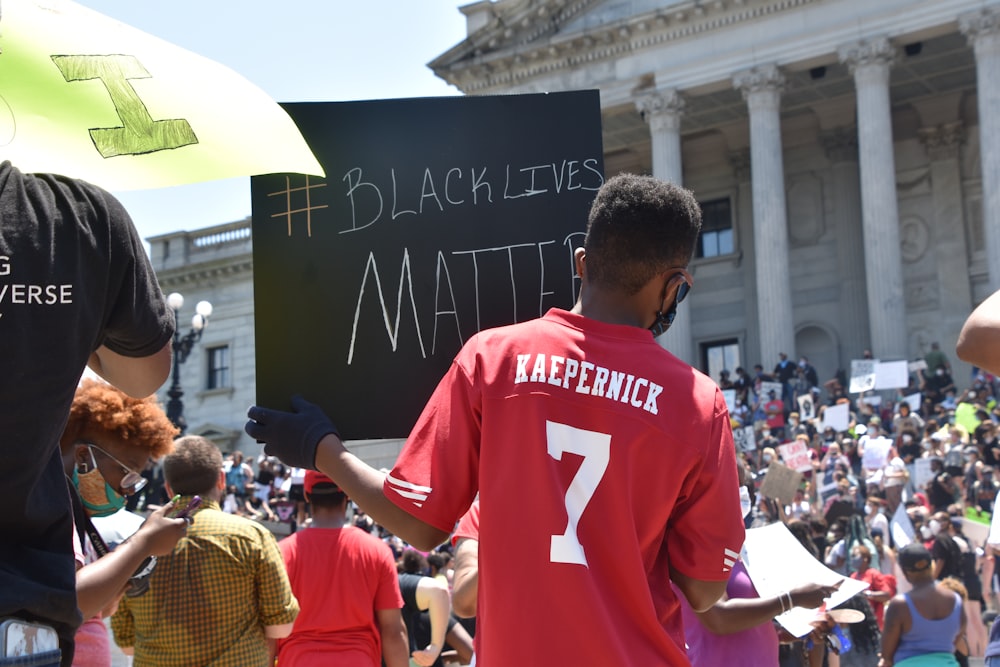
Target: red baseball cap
(314, 477)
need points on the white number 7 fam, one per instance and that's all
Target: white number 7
(595, 448)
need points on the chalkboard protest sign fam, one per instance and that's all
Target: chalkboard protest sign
(439, 217)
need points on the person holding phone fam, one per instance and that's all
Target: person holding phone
(109, 437)
(222, 596)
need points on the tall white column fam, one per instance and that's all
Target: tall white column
(983, 31)
(662, 110)
(761, 88)
(869, 61)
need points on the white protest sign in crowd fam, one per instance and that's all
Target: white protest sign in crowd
(876, 453)
(767, 387)
(795, 455)
(862, 375)
(837, 417)
(872, 374)
(730, 396)
(807, 407)
(745, 439)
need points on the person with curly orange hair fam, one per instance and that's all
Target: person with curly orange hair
(109, 438)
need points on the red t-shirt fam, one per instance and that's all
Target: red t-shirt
(601, 461)
(775, 413)
(340, 577)
(468, 525)
(877, 582)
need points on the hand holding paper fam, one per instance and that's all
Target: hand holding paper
(777, 562)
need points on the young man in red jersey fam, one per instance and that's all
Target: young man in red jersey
(620, 455)
(346, 584)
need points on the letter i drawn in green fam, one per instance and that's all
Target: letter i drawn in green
(139, 133)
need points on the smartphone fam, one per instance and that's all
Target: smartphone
(20, 638)
(191, 506)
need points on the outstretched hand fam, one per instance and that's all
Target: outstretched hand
(811, 596)
(291, 436)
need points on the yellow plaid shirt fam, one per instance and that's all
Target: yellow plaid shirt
(210, 599)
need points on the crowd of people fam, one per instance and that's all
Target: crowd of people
(193, 584)
(639, 500)
(912, 467)
(840, 513)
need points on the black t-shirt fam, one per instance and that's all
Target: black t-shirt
(784, 371)
(990, 456)
(947, 552)
(73, 276)
(911, 452)
(984, 494)
(939, 496)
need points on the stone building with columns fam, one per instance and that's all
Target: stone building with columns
(846, 154)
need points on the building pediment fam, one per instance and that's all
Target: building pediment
(512, 42)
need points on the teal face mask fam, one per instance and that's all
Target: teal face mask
(98, 497)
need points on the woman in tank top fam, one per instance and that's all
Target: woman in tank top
(921, 626)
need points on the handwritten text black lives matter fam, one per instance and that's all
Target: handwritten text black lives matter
(377, 200)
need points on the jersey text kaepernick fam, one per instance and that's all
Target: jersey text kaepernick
(588, 378)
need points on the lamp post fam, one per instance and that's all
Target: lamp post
(182, 348)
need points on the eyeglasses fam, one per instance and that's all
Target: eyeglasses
(132, 482)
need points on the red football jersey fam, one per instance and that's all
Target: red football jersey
(601, 461)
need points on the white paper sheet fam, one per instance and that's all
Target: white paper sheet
(777, 562)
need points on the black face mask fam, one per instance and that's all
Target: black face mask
(664, 320)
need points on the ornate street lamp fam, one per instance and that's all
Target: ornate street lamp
(182, 348)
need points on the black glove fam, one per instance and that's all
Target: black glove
(291, 436)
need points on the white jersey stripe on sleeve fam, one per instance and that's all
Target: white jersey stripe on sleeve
(408, 485)
(411, 495)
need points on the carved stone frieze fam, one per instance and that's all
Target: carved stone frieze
(537, 32)
(740, 162)
(840, 144)
(942, 141)
(914, 238)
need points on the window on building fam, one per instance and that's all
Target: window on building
(721, 355)
(716, 228)
(218, 367)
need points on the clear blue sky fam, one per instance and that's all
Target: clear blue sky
(296, 51)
